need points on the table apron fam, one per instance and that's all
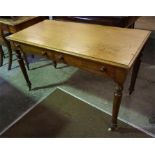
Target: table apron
(114, 72)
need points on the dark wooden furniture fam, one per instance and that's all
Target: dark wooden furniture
(13, 24)
(3, 42)
(103, 50)
(119, 21)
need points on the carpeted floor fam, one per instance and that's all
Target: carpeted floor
(62, 115)
(137, 110)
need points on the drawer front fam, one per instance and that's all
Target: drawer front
(89, 65)
(38, 51)
(31, 49)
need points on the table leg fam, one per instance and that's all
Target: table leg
(10, 54)
(26, 61)
(1, 56)
(23, 69)
(135, 73)
(55, 64)
(25, 58)
(116, 106)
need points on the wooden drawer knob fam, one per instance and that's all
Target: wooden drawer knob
(44, 53)
(103, 69)
(59, 57)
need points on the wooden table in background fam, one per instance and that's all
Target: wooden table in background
(103, 50)
(15, 24)
(18, 23)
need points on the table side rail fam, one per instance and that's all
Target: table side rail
(82, 63)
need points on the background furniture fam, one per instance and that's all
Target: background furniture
(13, 24)
(119, 21)
(10, 47)
(3, 42)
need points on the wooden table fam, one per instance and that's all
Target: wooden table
(103, 50)
(15, 24)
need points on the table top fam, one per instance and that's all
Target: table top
(16, 20)
(110, 45)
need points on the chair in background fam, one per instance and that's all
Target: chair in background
(6, 43)
(13, 24)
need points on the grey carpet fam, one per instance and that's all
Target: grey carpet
(62, 115)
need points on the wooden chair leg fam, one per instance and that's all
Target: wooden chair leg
(26, 61)
(10, 54)
(1, 56)
(10, 59)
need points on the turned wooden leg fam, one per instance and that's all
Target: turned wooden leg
(25, 58)
(1, 56)
(10, 55)
(135, 73)
(23, 69)
(116, 106)
(26, 61)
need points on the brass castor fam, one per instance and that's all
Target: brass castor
(113, 127)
